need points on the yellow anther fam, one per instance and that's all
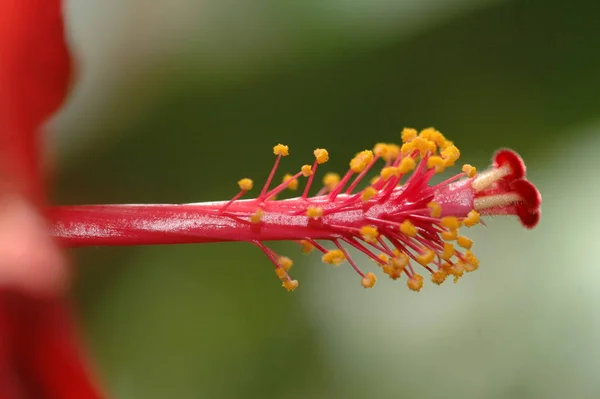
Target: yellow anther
(464, 242)
(399, 262)
(408, 228)
(290, 285)
(306, 246)
(368, 193)
(306, 170)
(450, 235)
(369, 280)
(381, 150)
(439, 277)
(374, 179)
(314, 212)
(408, 134)
(361, 161)
(281, 273)
(407, 165)
(450, 155)
(285, 262)
(407, 148)
(369, 234)
(282, 150)
(427, 256)
(424, 146)
(435, 136)
(470, 268)
(436, 209)
(392, 153)
(334, 257)
(470, 259)
(384, 257)
(446, 266)
(450, 222)
(472, 218)
(257, 216)
(469, 170)
(437, 163)
(245, 184)
(293, 184)
(389, 171)
(330, 180)
(393, 273)
(449, 251)
(457, 270)
(415, 283)
(321, 155)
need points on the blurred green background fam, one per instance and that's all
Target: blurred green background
(163, 86)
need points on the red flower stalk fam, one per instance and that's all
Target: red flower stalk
(39, 351)
(399, 220)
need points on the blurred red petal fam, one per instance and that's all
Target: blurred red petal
(39, 351)
(35, 69)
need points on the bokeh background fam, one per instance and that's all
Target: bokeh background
(177, 99)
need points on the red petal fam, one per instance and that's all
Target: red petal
(35, 69)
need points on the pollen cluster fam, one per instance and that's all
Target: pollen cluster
(406, 225)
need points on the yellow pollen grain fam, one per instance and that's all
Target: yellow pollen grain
(439, 277)
(450, 155)
(321, 155)
(290, 285)
(469, 170)
(367, 194)
(285, 262)
(457, 271)
(334, 257)
(389, 171)
(383, 257)
(437, 163)
(381, 150)
(424, 146)
(281, 273)
(408, 135)
(415, 283)
(314, 212)
(257, 216)
(293, 184)
(399, 262)
(245, 184)
(408, 228)
(407, 148)
(472, 218)
(427, 257)
(369, 234)
(360, 162)
(282, 150)
(306, 170)
(448, 252)
(436, 209)
(391, 272)
(464, 242)
(407, 165)
(471, 259)
(307, 247)
(470, 268)
(450, 235)
(330, 180)
(450, 222)
(392, 153)
(435, 136)
(369, 280)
